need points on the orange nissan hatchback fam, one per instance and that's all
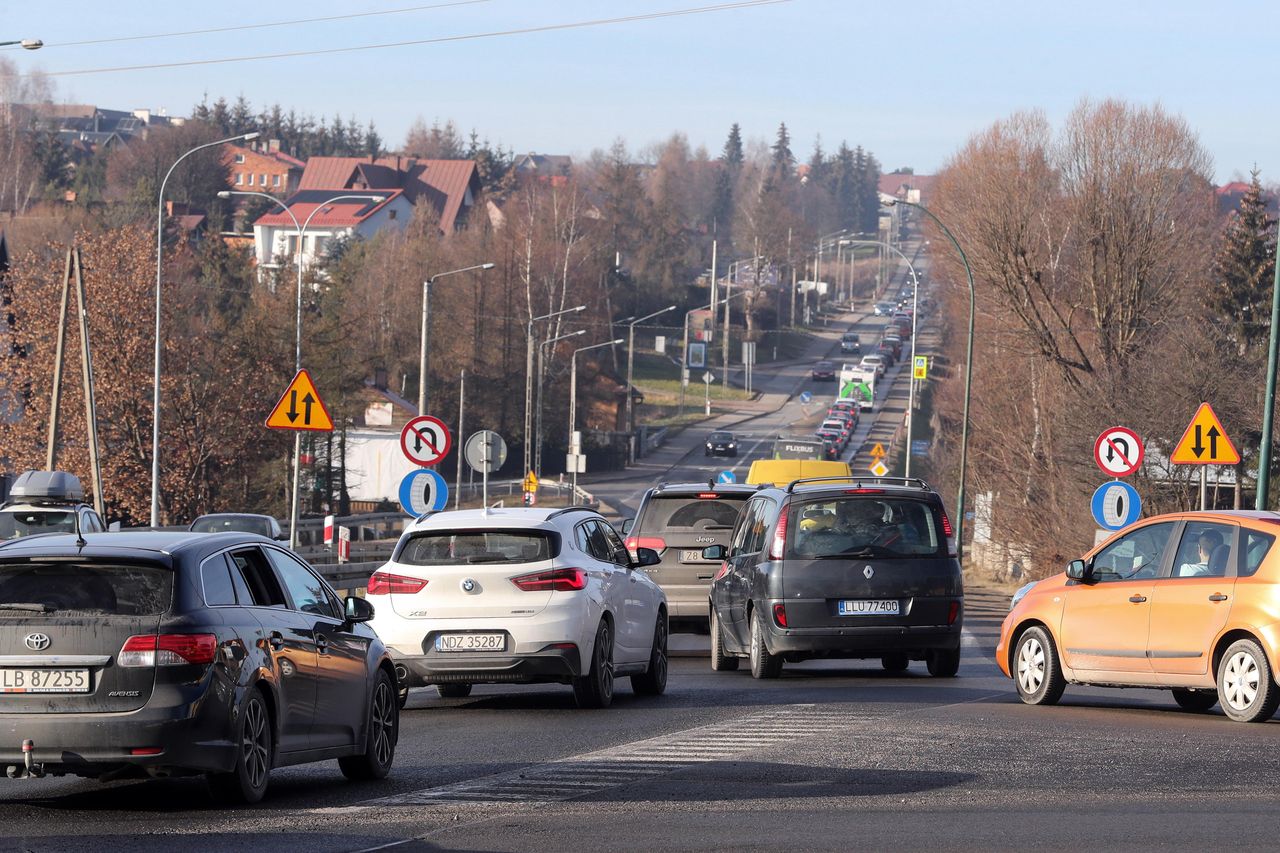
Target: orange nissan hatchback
(1185, 601)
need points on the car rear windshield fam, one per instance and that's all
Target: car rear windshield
(500, 547)
(865, 527)
(73, 587)
(238, 523)
(15, 523)
(688, 512)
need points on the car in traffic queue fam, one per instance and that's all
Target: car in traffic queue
(850, 342)
(876, 362)
(841, 425)
(244, 522)
(895, 343)
(835, 435)
(823, 371)
(1187, 602)
(844, 405)
(47, 502)
(883, 309)
(521, 596)
(156, 654)
(721, 443)
(888, 352)
(839, 568)
(678, 520)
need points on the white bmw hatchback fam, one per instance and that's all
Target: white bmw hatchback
(521, 596)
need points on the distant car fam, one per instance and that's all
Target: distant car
(830, 449)
(824, 371)
(521, 596)
(850, 343)
(156, 654)
(895, 343)
(241, 522)
(841, 425)
(47, 502)
(721, 443)
(844, 405)
(888, 352)
(876, 362)
(833, 434)
(883, 309)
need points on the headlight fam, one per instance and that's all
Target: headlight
(732, 445)
(1021, 594)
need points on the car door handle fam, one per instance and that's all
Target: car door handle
(1217, 596)
(1137, 599)
(322, 643)
(277, 640)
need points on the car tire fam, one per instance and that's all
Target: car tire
(896, 662)
(1195, 700)
(943, 663)
(382, 731)
(1246, 689)
(653, 682)
(255, 754)
(763, 664)
(595, 689)
(453, 691)
(720, 662)
(1036, 671)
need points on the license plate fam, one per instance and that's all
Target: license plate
(471, 642)
(866, 607)
(691, 557)
(44, 680)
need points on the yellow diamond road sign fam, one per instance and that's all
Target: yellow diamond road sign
(1205, 442)
(300, 407)
(879, 468)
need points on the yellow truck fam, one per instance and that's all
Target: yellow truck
(780, 472)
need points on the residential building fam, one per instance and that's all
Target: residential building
(551, 169)
(906, 186)
(275, 236)
(264, 169)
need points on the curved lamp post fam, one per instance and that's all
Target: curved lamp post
(155, 399)
(968, 367)
(573, 400)
(537, 429)
(25, 44)
(529, 452)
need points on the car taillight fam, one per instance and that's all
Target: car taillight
(864, 491)
(707, 496)
(557, 580)
(655, 542)
(167, 650)
(954, 613)
(780, 615)
(946, 526)
(724, 570)
(779, 538)
(385, 583)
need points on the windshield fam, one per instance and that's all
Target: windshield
(28, 522)
(721, 436)
(237, 523)
(865, 527)
(35, 588)
(449, 547)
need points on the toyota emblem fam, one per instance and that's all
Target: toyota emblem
(38, 642)
(868, 572)
(468, 585)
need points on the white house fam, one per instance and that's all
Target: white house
(275, 234)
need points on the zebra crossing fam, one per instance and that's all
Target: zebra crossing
(613, 767)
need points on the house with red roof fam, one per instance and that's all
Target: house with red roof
(264, 169)
(389, 192)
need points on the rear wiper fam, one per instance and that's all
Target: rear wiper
(27, 607)
(486, 558)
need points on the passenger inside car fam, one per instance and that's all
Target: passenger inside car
(1212, 555)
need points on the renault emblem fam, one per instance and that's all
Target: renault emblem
(868, 572)
(468, 585)
(38, 642)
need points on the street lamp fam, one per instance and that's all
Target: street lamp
(537, 431)
(155, 399)
(968, 365)
(426, 329)
(528, 374)
(573, 404)
(631, 343)
(684, 355)
(297, 339)
(25, 44)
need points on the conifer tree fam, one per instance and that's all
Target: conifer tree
(1244, 270)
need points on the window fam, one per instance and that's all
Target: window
(1136, 555)
(749, 537)
(263, 179)
(391, 214)
(251, 177)
(597, 545)
(691, 513)
(502, 547)
(27, 522)
(1256, 547)
(275, 180)
(617, 550)
(239, 179)
(865, 526)
(264, 588)
(215, 575)
(306, 590)
(51, 589)
(239, 158)
(1204, 551)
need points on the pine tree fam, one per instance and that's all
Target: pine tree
(732, 155)
(845, 186)
(783, 164)
(1244, 270)
(818, 164)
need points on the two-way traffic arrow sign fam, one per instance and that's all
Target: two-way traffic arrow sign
(300, 407)
(1205, 442)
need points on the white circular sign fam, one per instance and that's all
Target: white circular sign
(425, 440)
(1118, 451)
(485, 451)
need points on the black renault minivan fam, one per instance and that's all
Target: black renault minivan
(839, 568)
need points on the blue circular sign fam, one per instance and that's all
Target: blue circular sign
(806, 396)
(1116, 505)
(423, 491)
(727, 477)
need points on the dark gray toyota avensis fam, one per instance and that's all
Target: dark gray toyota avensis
(157, 654)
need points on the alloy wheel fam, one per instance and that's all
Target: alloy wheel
(1241, 681)
(255, 744)
(1031, 665)
(383, 722)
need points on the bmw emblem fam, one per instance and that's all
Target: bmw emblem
(868, 572)
(38, 642)
(468, 585)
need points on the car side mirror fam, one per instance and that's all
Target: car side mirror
(113, 527)
(627, 524)
(283, 537)
(1078, 570)
(358, 610)
(646, 557)
(715, 552)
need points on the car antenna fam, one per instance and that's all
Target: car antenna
(80, 540)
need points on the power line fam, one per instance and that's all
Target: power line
(260, 26)
(651, 16)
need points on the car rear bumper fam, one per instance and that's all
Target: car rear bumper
(863, 641)
(192, 738)
(555, 665)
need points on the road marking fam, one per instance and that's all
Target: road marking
(592, 772)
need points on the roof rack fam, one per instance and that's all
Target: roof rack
(569, 509)
(915, 482)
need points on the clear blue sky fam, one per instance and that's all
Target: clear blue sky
(909, 81)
